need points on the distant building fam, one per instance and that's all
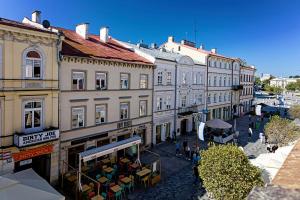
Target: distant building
(282, 82)
(264, 77)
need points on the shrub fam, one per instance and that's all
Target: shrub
(294, 111)
(281, 131)
(227, 173)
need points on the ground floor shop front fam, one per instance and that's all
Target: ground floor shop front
(219, 112)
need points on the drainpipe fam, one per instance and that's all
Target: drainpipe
(175, 103)
(152, 105)
(206, 88)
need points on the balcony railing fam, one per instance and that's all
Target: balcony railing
(237, 87)
(26, 84)
(187, 110)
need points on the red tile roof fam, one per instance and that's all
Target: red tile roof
(75, 45)
(13, 23)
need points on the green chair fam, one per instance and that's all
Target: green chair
(109, 177)
(118, 195)
(104, 195)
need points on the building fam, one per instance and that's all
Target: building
(264, 77)
(282, 82)
(106, 93)
(247, 78)
(179, 91)
(29, 97)
(222, 78)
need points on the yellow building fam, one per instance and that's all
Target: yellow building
(29, 97)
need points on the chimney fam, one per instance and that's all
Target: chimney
(36, 16)
(170, 39)
(104, 34)
(82, 30)
(202, 46)
(214, 50)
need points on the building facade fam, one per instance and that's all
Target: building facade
(247, 78)
(179, 91)
(106, 93)
(29, 129)
(282, 82)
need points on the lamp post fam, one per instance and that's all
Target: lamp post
(197, 118)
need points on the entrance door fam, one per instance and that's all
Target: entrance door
(183, 126)
(73, 159)
(158, 134)
(168, 130)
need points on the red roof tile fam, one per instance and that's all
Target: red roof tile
(75, 45)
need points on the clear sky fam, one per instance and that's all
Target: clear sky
(264, 32)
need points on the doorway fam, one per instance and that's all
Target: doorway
(158, 134)
(183, 124)
(168, 130)
(73, 159)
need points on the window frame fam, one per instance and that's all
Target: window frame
(146, 84)
(84, 117)
(106, 80)
(159, 78)
(146, 108)
(159, 101)
(169, 78)
(128, 80)
(128, 110)
(105, 115)
(42, 108)
(84, 80)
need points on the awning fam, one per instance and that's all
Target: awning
(217, 123)
(109, 148)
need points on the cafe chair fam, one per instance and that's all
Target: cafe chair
(118, 195)
(104, 195)
(145, 181)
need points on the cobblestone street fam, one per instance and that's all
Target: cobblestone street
(177, 175)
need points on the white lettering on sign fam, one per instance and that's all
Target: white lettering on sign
(29, 139)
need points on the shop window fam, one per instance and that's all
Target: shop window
(32, 115)
(78, 80)
(78, 117)
(33, 65)
(144, 81)
(124, 81)
(101, 81)
(100, 114)
(124, 111)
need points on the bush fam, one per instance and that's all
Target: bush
(294, 111)
(281, 131)
(227, 173)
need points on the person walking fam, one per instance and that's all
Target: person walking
(249, 117)
(188, 152)
(196, 174)
(261, 137)
(177, 148)
(250, 133)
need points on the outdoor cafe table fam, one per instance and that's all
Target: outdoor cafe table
(115, 188)
(85, 188)
(72, 178)
(126, 180)
(143, 172)
(125, 160)
(105, 161)
(103, 179)
(108, 170)
(98, 197)
(134, 165)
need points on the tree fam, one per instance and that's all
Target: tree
(273, 89)
(281, 131)
(294, 111)
(293, 86)
(227, 173)
(257, 81)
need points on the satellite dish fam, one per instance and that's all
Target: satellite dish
(46, 24)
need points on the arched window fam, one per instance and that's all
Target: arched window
(33, 65)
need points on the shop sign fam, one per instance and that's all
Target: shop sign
(25, 162)
(35, 138)
(30, 153)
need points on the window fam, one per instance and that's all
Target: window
(124, 111)
(100, 114)
(215, 64)
(32, 115)
(101, 81)
(144, 81)
(209, 81)
(224, 81)
(169, 78)
(159, 101)
(168, 102)
(235, 80)
(159, 78)
(78, 117)
(198, 78)
(143, 108)
(215, 98)
(198, 99)
(183, 101)
(220, 81)
(220, 98)
(208, 99)
(184, 78)
(78, 82)
(229, 81)
(124, 81)
(33, 62)
(215, 81)
(225, 98)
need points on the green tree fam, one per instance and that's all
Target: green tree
(257, 81)
(273, 89)
(293, 86)
(227, 173)
(281, 131)
(294, 111)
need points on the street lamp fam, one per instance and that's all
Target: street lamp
(197, 118)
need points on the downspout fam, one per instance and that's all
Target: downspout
(206, 92)
(152, 105)
(231, 108)
(175, 103)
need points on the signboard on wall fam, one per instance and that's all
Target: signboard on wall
(30, 153)
(35, 138)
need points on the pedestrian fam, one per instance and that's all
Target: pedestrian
(261, 137)
(185, 143)
(269, 149)
(188, 152)
(250, 133)
(196, 174)
(194, 160)
(249, 117)
(177, 148)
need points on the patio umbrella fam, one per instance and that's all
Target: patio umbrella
(217, 123)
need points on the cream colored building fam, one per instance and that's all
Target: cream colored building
(247, 94)
(106, 93)
(282, 82)
(29, 98)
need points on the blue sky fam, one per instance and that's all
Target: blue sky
(264, 32)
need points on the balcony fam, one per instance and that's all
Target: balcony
(27, 84)
(237, 87)
(124, 124)
(26, 139)
(187, 110)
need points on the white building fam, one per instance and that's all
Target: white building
(222, 82)
(247, 81)
(264, 77)
(179, 91)
(282, 82)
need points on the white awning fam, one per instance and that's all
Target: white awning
(110, 148)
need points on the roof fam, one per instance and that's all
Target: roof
(92, 47)
(16, 24)
(288, 175)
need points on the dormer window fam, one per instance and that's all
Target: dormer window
(33, 65)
